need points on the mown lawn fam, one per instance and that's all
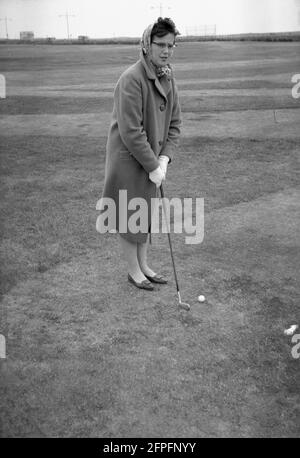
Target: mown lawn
(87, 354)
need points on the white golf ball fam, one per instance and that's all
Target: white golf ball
(201, 298)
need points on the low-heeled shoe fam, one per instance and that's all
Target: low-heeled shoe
(143, 285)
(157, 279)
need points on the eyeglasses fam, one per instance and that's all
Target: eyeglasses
(162, 46)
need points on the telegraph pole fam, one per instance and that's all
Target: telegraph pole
(66, 16)
(6, 28)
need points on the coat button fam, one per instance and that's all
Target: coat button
(160, 142)
(162, 107)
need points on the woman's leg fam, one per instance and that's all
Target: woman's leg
(142, 258)
(130, 250)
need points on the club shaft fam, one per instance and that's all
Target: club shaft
(170, 241)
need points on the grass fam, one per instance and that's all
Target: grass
(87, 354)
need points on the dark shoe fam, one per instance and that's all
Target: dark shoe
(157, 279)
(143, 285)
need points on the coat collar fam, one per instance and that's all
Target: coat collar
(164, 84)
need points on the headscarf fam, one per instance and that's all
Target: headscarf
(146, 39)
(145, 50)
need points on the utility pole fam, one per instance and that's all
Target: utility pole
(161, 8)
(5, 20)
(66, 16)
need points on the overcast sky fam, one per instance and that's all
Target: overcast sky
(107, 18)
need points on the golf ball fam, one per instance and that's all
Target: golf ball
(201, 298)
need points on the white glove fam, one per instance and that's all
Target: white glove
(163, 162)
(157, 176)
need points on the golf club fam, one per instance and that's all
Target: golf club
(183, 305)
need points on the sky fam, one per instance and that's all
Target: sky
(109, 18)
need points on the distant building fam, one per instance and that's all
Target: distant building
(83, 38)
(28, 36)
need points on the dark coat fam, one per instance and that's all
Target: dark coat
(145, 123)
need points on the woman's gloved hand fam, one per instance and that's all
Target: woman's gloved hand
(163, 162)
(157, 176)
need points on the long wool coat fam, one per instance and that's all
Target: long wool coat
(145, 123)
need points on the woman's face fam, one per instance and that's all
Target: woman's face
(161, 49)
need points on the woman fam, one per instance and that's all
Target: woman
(143, 135)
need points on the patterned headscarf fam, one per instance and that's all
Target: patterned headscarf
(145, 50)
(146, 39)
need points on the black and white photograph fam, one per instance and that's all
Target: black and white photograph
(150, 214)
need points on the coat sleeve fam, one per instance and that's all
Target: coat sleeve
(128, 102)
(174, 129)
